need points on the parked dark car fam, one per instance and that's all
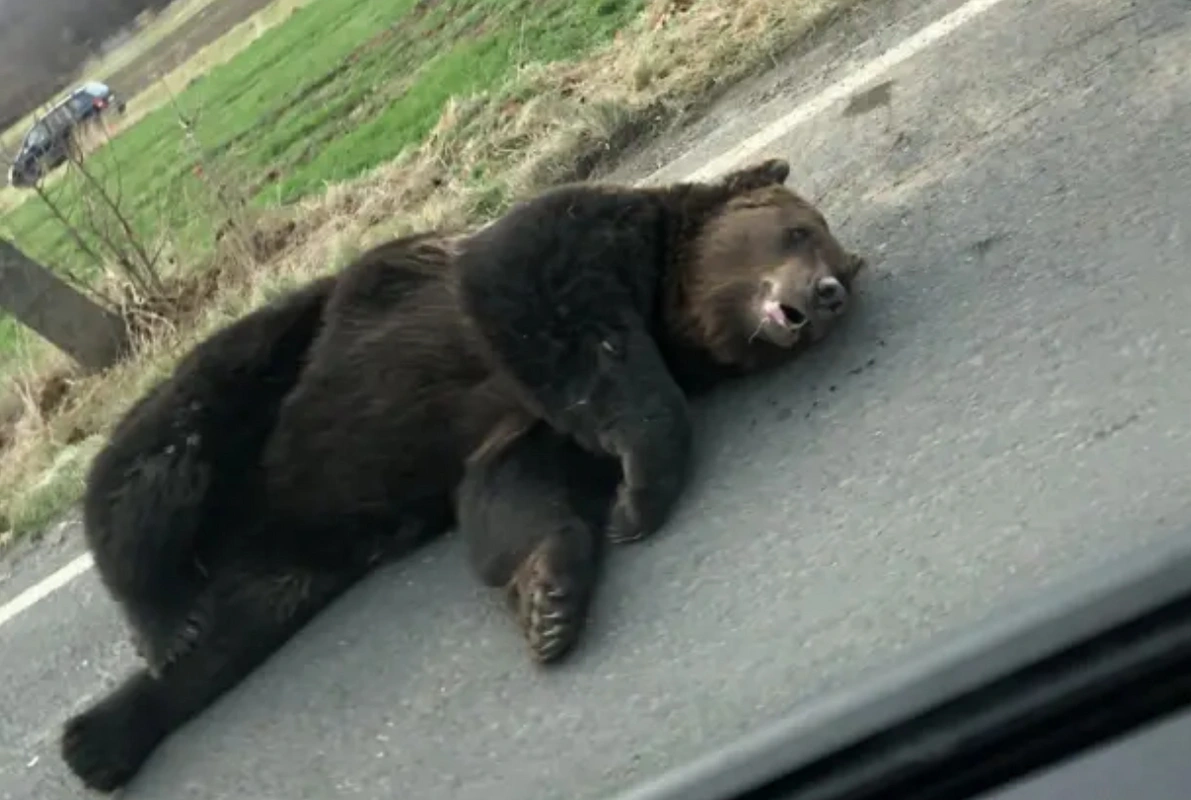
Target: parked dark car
(46, 145)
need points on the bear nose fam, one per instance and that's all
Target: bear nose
(829, 293)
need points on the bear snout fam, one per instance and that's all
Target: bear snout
(829, 294)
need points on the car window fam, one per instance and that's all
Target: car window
(59, 118)
(992, 414)
(39, 134)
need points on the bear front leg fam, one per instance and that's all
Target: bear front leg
(646, 424)
(654, 460)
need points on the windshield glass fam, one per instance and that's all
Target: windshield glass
(857, 321)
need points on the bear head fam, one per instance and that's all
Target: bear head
(763, 272)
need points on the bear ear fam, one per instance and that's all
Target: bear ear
(855, 264)
(771, 172)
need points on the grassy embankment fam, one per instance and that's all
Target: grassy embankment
(354, 120)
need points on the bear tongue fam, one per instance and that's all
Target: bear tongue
(772, 310)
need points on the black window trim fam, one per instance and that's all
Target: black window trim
(1097, 655)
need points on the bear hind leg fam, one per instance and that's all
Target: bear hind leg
(531, 517)
(551, 592)
(253, 611)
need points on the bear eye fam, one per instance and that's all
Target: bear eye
(795, 237)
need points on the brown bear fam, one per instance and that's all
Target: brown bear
(420, 357)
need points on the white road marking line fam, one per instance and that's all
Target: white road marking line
(842, 89)
(40, 591)
(836, 92)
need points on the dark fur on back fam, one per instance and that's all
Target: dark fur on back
(372, 443)
(538, 349)
(180, 466)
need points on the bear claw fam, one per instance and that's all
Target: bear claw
(547, 612)
(624, 526)
(181, 645)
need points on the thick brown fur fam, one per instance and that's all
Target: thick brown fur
(181, 466)
(555, 343)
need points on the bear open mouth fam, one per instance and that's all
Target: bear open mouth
(783, 315)
(794, 318)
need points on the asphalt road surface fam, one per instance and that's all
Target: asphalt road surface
(1010, 403)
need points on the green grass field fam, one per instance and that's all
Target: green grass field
(340, 87)
(10, 333)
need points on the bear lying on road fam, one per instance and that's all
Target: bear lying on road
(298, 448)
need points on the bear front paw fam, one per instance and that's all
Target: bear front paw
(623, 528)
(626, 524)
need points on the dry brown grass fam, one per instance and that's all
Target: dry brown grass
(550, 124)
